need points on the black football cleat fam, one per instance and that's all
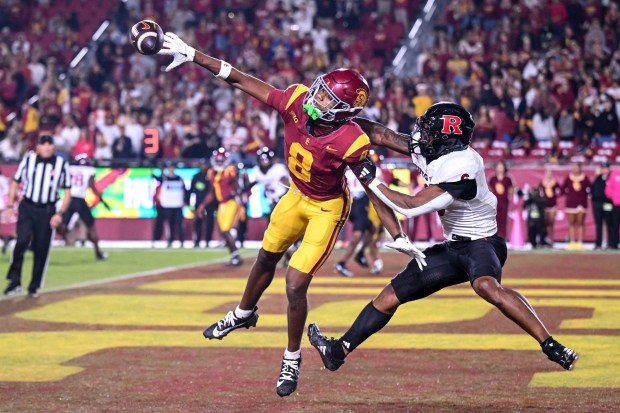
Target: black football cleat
(289, 376)
(12, 289)
(235, 261)
(564, 356)
(326, 347)
(229, 323)
(341, 268)
(361, 259)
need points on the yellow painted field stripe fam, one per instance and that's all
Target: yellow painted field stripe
(24, 359)
(236, 286)
(201, 310)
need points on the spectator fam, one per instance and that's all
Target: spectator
(122, 148)
(543, 127)
(534, 205)
(109, 132)
(67, 136)
(576, 188)
(602, 207)
(502, 186)
(172, 200)
(612, 191)
(551, 190)
(11, 147)
(566, 126)
(605, 121)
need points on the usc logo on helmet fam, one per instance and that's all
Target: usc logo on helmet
(362, 98)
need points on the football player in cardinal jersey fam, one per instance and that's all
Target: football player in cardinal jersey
(223, 177)
(320, 142)
(455, 187)
(83, 178)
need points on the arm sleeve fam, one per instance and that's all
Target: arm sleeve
(435, 204)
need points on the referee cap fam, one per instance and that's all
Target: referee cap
(46, 139)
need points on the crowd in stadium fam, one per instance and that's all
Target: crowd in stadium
(544, 78)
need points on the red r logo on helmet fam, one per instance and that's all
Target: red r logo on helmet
(451, 124)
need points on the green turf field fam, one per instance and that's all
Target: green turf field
(69, 265)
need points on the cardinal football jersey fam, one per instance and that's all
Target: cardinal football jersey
(222, 182)
(316, 164)
(473, 218)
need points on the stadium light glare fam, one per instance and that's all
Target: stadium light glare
(76, 60)
(415, 28)
(428, 6)
(399, 56)
(100, 30)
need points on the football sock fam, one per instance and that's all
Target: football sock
(292, 355)
(367, 323)
(547, 341)
(239, 313)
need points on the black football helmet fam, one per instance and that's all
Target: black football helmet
(264, 156)
(82, 159)
(445, 127)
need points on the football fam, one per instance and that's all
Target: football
(147, 37)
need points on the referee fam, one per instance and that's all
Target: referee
(41, 174)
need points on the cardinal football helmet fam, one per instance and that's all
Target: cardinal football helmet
(220, 159)
(339, 95)
(445, 127)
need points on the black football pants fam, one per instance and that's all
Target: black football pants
(33, 228)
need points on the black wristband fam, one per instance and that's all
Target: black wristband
(400, 235)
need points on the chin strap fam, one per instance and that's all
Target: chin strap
(312, 111)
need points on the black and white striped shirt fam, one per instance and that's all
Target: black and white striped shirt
(41, 178)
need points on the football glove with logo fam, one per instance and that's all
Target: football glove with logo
(366, 171)
(175, 47)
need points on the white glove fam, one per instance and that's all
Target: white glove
(175, 47)
(405, 246)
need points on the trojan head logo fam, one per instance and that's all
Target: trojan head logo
(361, 99)
(451, 124)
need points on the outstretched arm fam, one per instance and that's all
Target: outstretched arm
(242, 81)
(181, 52)
(383, 136)
(430, 199)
